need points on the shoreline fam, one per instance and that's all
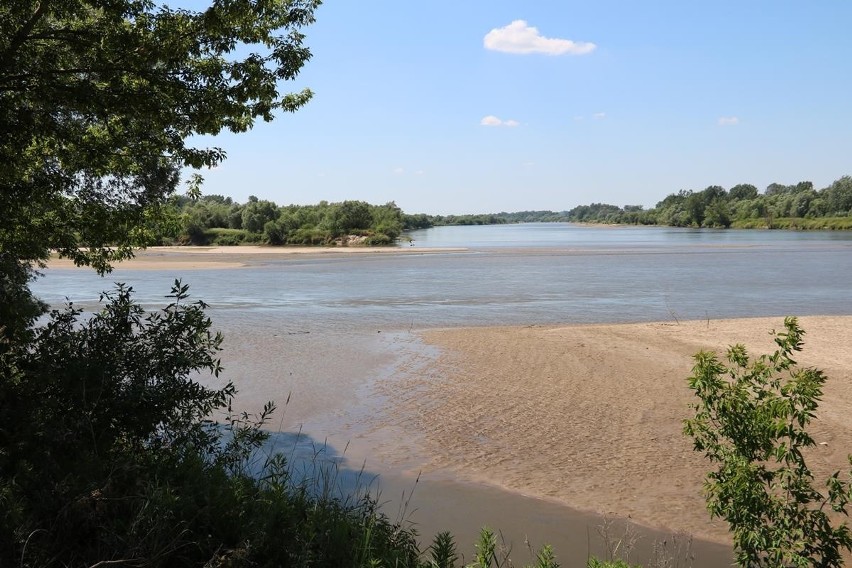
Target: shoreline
(793, 224)
(590, 416)
(227, 257)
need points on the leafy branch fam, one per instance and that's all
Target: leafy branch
(751, 421)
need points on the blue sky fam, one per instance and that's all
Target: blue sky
(463, 107)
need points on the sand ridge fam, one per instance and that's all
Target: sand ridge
(591, 415)
(215, 257)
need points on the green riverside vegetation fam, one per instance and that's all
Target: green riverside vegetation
(219, 220)
(780, 206)
(114, 448)
(751, 422)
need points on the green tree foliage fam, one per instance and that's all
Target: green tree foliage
(257, 213)
(353, 216)
(751, 421)
(109, 456)
(90, 409)
(838, 196)
(780, 206)
(672, 210)
(417, 221)
(260, 220)
(742, 192)
(482, 219)
(98, 99)
(600, 212)
(387, 220)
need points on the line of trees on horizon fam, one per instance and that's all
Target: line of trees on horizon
(216, 219)
(219, 220)
(742, 206)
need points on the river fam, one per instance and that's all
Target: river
(323, 330)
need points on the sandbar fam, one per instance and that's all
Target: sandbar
(217, 257)
(591, 415)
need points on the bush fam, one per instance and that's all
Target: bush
(273, 234)
(195, 234)
(309, 236)
(226, 237)
(751, 421)
(378, 239)
(109, 455)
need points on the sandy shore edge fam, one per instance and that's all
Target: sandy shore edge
(591, 415)
(219, 257)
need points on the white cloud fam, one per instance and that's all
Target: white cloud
(599, 115)
(492, 120)
(728, 121)
(418, 173)
(399, 171)
(519, 37)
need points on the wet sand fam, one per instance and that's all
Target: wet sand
(591, 416)
(215, 257)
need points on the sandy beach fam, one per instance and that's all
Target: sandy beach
(217, 257)
(591, 416)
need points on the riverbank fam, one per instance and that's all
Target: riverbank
(761, 224)
(201, 257)
(591, 416)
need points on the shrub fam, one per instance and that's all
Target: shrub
(751, 422)
(378, 239)
(226, 237)
(108, 455)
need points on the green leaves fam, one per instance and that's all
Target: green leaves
(98, 99)
(97, 401)
(751, 422)
(442, 551)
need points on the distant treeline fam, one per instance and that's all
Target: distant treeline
(423, 221)
(214, 219)
(797, 206)
(219, 220)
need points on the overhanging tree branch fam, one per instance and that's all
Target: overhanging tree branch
(21, 35)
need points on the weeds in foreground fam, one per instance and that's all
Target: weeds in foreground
(443, 552)
(621, 547)
(493, 552)
(672, 552)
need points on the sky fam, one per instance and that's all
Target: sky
(480, 106)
